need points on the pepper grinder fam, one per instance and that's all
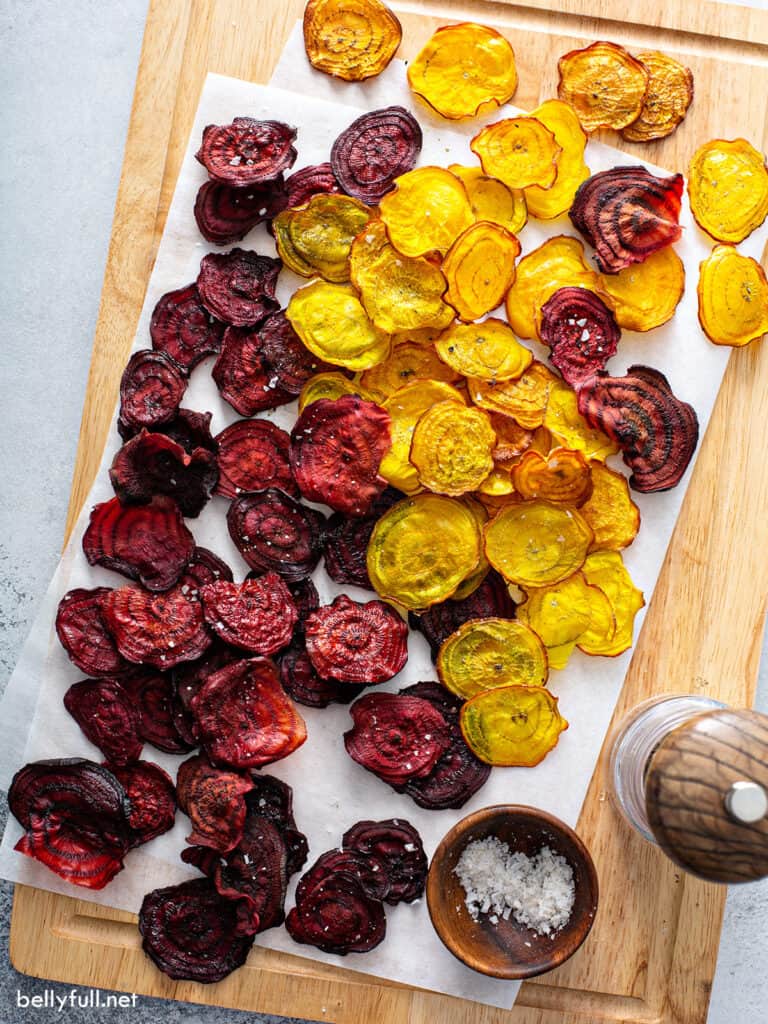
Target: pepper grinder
(691, 775)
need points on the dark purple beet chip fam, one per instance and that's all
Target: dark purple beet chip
(345, 542)
(316, 179)
(203, 858)
(190, 932)
(225, 213)
(152, 797)
(397, 845)
(187, 680)
(253, 455)
(84, 636)
(447, 703)
(306, 598)
(188, 428)
(581, 332)
(273, 799)
(257, 868)
(105, 712)
(238, 287)
(247, 151)
(204, 567)
(243, 375)
(456, 777)
(274, 532)
(214, 800)
(152, 694)
(287, 357)
(370, 870)
(298, 849)
(302, 683)
(152, 464)
(183, 329)
(375, 149)
(151, 389)
(335, 915)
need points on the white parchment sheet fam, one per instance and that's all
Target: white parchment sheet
(331, 791)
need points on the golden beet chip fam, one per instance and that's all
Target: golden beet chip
(536, 543)
(512, 725)
(604, 84)
(328, 385)
(733, 297)
(491, 200)
(670, 91)
(350, 39)
(561, 119)
(421, 549)
(569, 428)
(426, 211)
(316, 239)
(728, 189)
(601, 631)
(406, 406)
(645, 295)
(556, 263)
(488, 351)
(333, 325)
(470, 584)
(486, 653)
(562, 477)
(498, 483)
(524, 399)
(452, 448)
(612, 515)
(519, 151)
(511, 440)
(560, 613)
(408, 361)
(400, 293)
(606, 570)
(464, 70)
(479, 268)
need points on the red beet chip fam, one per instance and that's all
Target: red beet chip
(253, 454)
(273, 532)
(447, 703)
(148, 543)
(151, 389)
(345, 542)
(214, 801)
(155, 629)
(190, 932)
(334, 914)
(357, 643)
(84, 636)
(225, 214)
(183, 329)
(202, 857)
(316, 179)
(244, 716)
(152, 797)
(75, 814)
(257, 869)
(289, 360)
(257, 615)
(336, 448)
(187, 680)
(302, 683)
(247, 151)
(375, 149)
(627, 213)
(369, 870)
(152, 464)
(243, 375)
(204, 567)
(396, 738)
(272, 798)
(305, 597)
(152, 694)
(238, 287)
(656, 431)
(188, 428)
(108, 717)
(397, 845)
(581, 332)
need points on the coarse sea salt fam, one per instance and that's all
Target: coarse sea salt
(537, 891)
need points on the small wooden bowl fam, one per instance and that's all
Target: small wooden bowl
(509, 949)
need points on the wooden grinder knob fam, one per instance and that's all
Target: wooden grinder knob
(706, 793)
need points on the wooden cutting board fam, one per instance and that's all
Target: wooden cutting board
(651, 955)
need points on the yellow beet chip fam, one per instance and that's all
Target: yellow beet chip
(328, 385)
(491, 200)
(670, 92)
(519, 151)
(604, 84)
(569, 428)
(512, 725)
(316, 239)
(486, 653)
(408, 361)
(733, 297)
(566, 614)
(488, 351)
(524, 399)
(612, 515)
(426, 211)
(728, 189)
(645, 295)
(452, 448)
(472, 582)
(464, 70)
(536, 543)
(350, 39)
(562, 477)
(332, 323)
(421, 549)
(561, 119)
(606, 570)
(498, 483)
(479, 268)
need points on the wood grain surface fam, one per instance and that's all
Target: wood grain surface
(651, 954)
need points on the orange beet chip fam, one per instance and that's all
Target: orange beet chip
(524, 399)
(350, 39)
(563, 477)
(733, 297)
(426, 211)
(479, 268)
(728, 188)
(645, 295)
(670, 92)
(520, 151)
(604, 84)
(512, 725)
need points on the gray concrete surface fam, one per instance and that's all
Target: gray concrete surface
(66, 79)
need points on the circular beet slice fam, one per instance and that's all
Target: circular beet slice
(447, 703)
(243, 375)
(190, 932)
(273, 799)
(305, 597)
(345, 542)
(581, 332)
(238, 287)
(244, 716)
(155, 629)
(335, 915)
(289, 360)
(273, 532)
(357, 643)
(316, 179)
(456, 777)
(253, 455)
(397, 845)
(183, 329)
(257, 615)
(369, 870)
(108, 717)
(151, 389)
(188, 428)
(84, 636)
(151, 463)
(257, 869)
(152, 694)
(148, 543)
(396, 738)
(214, 801)
(204, 567)
(225, 214)
(152, 796)
(656, 431)
(375, 149)
(336, 448)
(302, 683)
(247, 151)
(203, 858)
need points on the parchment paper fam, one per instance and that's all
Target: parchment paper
(331, 791)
